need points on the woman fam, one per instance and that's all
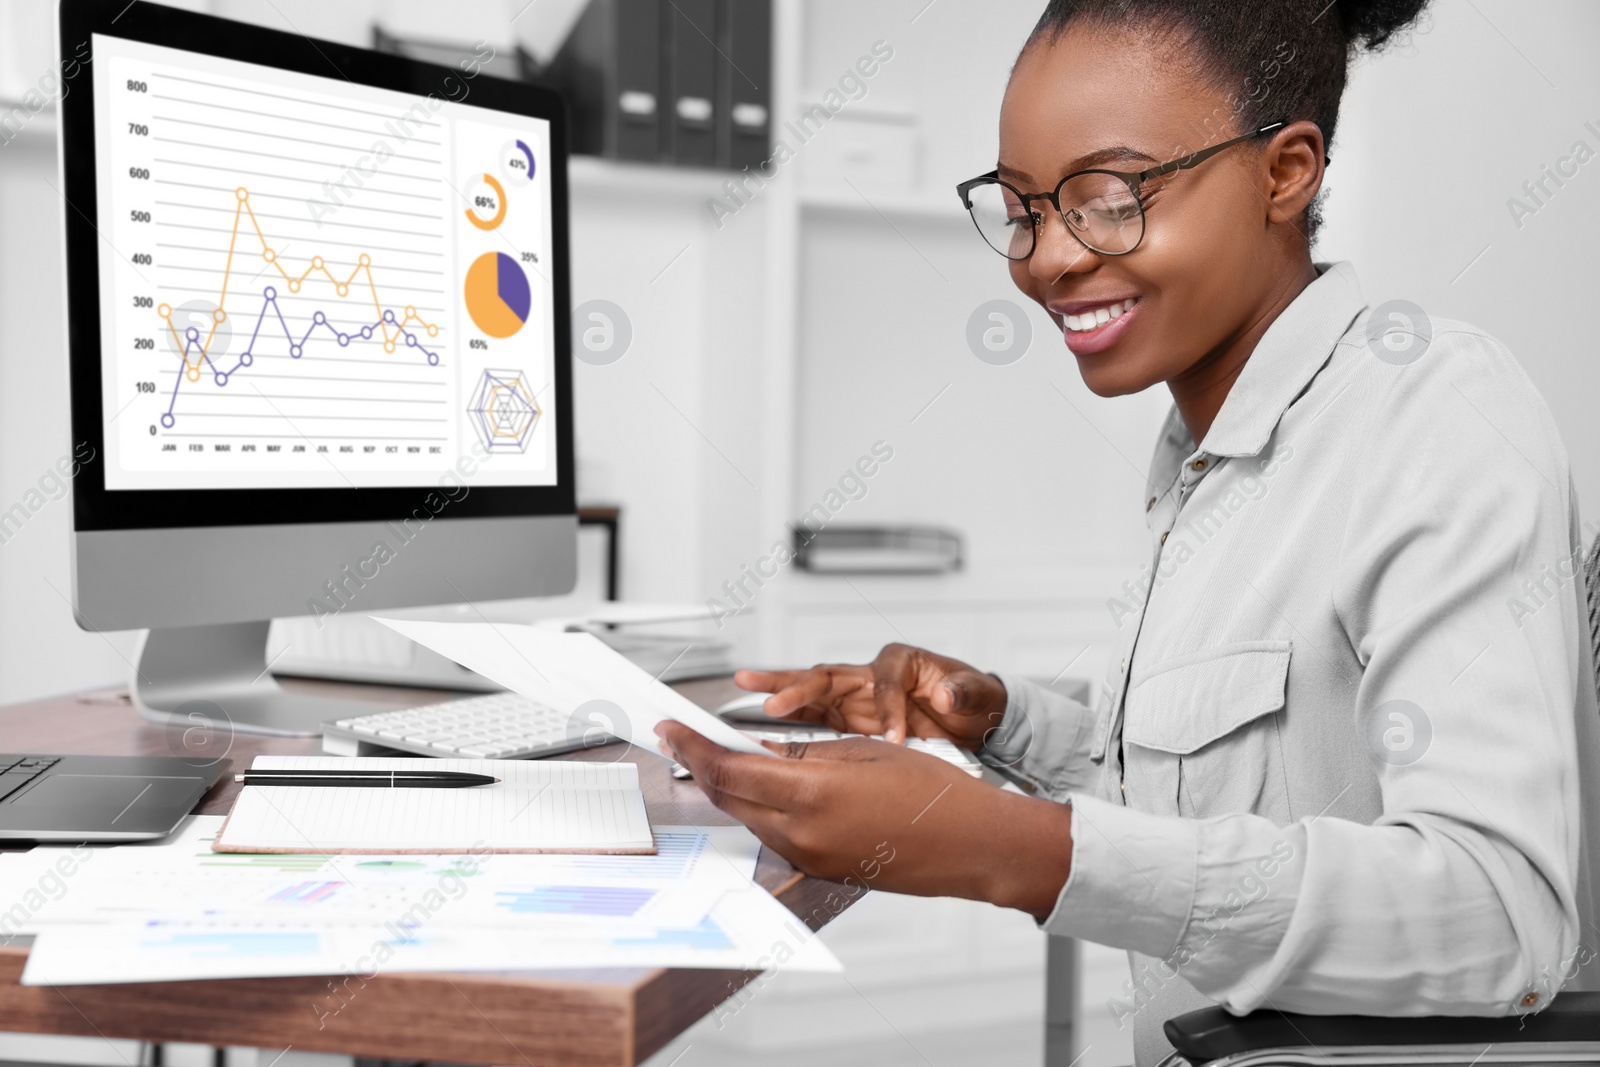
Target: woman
(1335, 768)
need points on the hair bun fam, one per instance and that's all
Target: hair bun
(1369, 24)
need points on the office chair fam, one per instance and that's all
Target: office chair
(1567, 1031)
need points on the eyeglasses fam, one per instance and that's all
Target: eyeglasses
(1103, 209)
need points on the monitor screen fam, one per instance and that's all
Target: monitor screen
(306, 282)
(318, 303)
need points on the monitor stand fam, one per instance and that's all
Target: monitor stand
(218, 676)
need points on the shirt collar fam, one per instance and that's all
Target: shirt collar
(1291, 352)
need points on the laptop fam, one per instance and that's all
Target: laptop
(98, 798)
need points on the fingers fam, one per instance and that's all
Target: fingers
(773, 682)
(963, 691)
(764, 681)
(889, 683)
(904, 691)
(821, 687)
(808, 687)
(921, 723)
(722, 774)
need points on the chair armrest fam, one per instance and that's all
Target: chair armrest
(1211, 1033)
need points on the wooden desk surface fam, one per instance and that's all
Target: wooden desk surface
(568, 1017)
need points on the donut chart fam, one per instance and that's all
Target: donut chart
(497, 294)
(516, 161)
(488, 210)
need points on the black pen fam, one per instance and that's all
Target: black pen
(369, 779)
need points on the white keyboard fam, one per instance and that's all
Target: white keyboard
(508, 726)
(493, 726)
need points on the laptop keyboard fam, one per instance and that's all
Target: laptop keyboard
(18, 771)
(495, 726)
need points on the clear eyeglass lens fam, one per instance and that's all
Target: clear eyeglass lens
(1103, 212)
(1001, 220)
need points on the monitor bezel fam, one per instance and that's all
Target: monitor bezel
(97, 508)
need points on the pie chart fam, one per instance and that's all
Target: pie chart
(497, 294)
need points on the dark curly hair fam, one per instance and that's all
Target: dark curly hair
(1276, 59)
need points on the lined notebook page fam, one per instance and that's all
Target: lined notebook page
(538, 806)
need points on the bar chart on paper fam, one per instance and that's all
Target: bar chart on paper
(294, 298)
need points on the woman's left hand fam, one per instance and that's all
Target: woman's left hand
(904, 820)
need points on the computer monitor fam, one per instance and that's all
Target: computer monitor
(319, 337)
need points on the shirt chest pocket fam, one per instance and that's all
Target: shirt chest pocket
(1200, 734)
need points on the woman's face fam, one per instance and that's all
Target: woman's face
(1205, 270)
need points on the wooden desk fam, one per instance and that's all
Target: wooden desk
(548, 1018)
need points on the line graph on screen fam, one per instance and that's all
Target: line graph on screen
(303, 285)
(392, 330)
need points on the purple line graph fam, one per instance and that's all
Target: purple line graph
(393, 328)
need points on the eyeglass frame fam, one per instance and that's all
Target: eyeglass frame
(1133, 179)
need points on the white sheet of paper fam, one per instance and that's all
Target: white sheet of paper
(538, 805)
(174, 909)
(747, 929)
(232, 922)
(566, 670)
(181, 880)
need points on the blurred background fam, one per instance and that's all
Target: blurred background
(779, 331)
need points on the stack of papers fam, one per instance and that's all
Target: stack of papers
(177, 909)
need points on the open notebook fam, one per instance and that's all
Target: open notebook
(538, 806)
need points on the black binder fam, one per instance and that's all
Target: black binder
(689, 67)
(610, 70)
(744, 90)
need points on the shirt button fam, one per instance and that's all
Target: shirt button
(1198, 465)
(1164, 538)
(1124, 666)
(1530, 1000)
(1150, 503)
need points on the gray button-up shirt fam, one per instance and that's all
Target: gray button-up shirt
(1343, 760)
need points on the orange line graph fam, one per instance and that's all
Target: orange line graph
(294, 283)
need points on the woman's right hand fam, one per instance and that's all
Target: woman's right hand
(905, 692)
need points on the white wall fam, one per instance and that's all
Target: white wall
(41, 650)
(1432, 142)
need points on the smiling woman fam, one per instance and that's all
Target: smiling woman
(1326, 772)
